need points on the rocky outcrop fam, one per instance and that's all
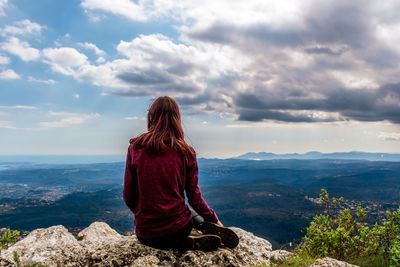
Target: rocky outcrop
(100, 245)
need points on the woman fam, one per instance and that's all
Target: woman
(160, 167)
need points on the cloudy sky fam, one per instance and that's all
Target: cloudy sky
(77, 77)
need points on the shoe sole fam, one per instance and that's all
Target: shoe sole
(203, 242)
(228, 237)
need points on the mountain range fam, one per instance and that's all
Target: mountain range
(353, 155)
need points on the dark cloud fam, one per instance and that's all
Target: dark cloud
(144, 77)
(269, 101)
(334, 23)
(355, 104)
(196, 100)
(260, 115)
(347, 23)
(150, 83)
(321, 50)
(180, 68)
(246, 37)
(297, 93)
(153, 90)
(324, 64)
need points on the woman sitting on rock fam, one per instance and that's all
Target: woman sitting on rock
(160, 167)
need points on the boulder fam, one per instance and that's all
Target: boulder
(53, 246)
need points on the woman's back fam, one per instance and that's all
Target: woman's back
(161, 181)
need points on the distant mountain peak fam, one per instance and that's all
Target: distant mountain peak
(352, 155)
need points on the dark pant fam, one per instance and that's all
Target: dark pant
(174, 240)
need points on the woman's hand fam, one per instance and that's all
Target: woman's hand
(219, 223)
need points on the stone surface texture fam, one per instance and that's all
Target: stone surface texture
(329, 262)
(100, 245)
(280, 255)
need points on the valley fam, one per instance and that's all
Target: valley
(275, 199)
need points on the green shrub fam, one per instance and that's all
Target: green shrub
(339, 234)
(394, 252)
(9, 238)
(371, 261)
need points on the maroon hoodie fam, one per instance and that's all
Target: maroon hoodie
(154, 191)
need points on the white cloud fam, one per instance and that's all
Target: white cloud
(205, 12)
(9, 75)
(76, 96)
(4, 60)
(93, 17)
(22, 27)
(153, 63)
(92, 47)
(131, 118)
(64, 60)
(49, 81)
(6, 125)
(356, 80)
(385, 136)
(70, 119)
(65, 56)
(3, 4)
(20, 48)
(125, 8)
(18, 107)
(100, 60)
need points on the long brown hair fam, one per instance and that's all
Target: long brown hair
(164, 129)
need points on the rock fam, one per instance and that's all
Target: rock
(330, 262)
(97, 232)
(281, 255)
(148, 261)
(100, 245)
(53, 246)
(4, 262)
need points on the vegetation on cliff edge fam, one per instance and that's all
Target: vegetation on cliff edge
(345, 236)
